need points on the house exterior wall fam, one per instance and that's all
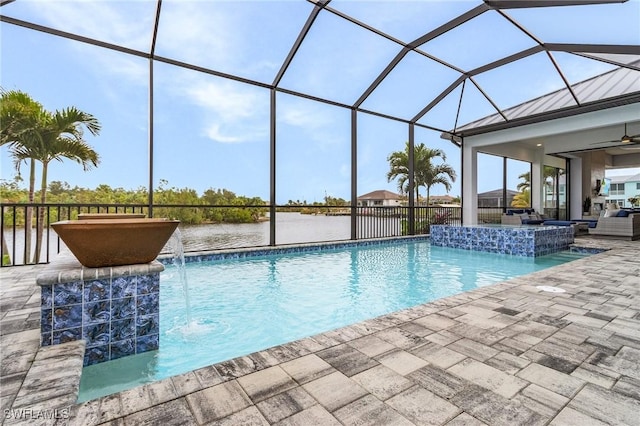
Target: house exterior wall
(630, 189)
(379, 203)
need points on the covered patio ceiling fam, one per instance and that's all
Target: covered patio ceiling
(463, 60)
(566, 141)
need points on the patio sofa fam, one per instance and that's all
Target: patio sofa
(521, 217)
(579, 227)
(623, 223)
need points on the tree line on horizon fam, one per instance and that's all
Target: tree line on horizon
(239, 209)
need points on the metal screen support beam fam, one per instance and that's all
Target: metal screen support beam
(150, 142)
(519, 4)
(628, 49)
(354, 173)
(504, 184)
(567, 188)
(272, 170)
(154, 37)
(410, 160)
(462, 173)
(71, 36)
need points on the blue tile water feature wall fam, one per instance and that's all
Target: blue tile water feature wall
(115, 310)
(514, 240)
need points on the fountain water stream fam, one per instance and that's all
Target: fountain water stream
(191, 327)
(177, 249)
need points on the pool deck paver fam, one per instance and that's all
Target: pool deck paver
(505, 354)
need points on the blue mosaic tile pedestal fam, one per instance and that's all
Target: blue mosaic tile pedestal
(514, 240)
(116, 310)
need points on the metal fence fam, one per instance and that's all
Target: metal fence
(19, 243)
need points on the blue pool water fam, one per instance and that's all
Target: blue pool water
(245, 305)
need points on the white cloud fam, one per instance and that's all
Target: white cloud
(132, 68)
(304, 114)
(299, 117)
(232, 112)
(214, 133)
(345, 170)
(323, 124)
(195, 32)
(228, 101)
(125, 23)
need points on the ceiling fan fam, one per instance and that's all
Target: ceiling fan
(625, 142)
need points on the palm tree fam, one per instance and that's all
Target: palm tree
(34, 134)
(522, 199)
(62, 137)
(425, 172)
(433, 174)
(549, 178)
(551, 174)
(526, 182)
(399, 168)
(20, 119)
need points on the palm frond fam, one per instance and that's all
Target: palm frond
(75, 150)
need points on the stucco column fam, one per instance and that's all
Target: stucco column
(469, 185)
(576, 191)
(537, 182)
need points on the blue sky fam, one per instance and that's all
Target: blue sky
(212, 132)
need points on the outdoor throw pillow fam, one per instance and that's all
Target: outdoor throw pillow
(610, 213)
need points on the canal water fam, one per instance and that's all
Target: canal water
(291, 228)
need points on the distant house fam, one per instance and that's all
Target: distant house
(494, 198)
(442, 199)
(380, 198)
(622, 188)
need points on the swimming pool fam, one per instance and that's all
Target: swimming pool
(240, 306)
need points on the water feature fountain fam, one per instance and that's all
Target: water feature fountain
(115, 241)
(106, 289)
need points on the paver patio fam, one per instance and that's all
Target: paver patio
(506, 354)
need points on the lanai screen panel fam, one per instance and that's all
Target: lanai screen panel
(313, 150)
(415, 81)
(377, 139)
(489, 33)
(249, 39)
(337, 60)
(210, 133)
(403, 20)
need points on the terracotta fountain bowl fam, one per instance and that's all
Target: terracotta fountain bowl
(115, 241)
